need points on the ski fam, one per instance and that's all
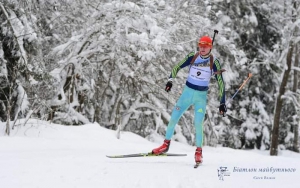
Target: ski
(197, 165)
(147, 155)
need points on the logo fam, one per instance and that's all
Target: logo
(222, 171)
(205, 63)
(200, 110)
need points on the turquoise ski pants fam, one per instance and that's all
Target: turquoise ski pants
(189, 97)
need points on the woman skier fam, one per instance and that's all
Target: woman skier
(202, 67)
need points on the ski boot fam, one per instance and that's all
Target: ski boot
(198, 155)
(163, 148)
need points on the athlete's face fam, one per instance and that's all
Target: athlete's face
(204, 49)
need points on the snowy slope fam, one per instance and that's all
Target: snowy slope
(49, 155)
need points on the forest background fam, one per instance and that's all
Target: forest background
(77, 61)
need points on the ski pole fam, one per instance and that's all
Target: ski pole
(215, 32)
(240, 88)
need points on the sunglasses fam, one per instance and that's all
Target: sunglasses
(204, 44)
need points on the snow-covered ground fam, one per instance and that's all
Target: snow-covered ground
(49, 155)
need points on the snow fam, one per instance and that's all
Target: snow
(41, 154)
(252, 18)
(22, 100)
(3, 68)
(296, 68)
(19, 31)
(146, 55)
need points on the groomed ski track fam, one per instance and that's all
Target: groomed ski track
(45, 155)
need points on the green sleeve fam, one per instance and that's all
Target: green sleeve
(183, 63)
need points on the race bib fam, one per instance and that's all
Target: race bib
(200, 73)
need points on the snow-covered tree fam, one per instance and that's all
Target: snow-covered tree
(285, 95)
(82, 61)
(16, 34)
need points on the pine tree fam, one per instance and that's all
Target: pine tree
(282, 90)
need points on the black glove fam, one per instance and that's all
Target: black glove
(223, 109)
(168, 86)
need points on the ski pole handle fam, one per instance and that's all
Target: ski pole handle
(215, 32)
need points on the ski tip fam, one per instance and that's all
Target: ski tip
(116, 156)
